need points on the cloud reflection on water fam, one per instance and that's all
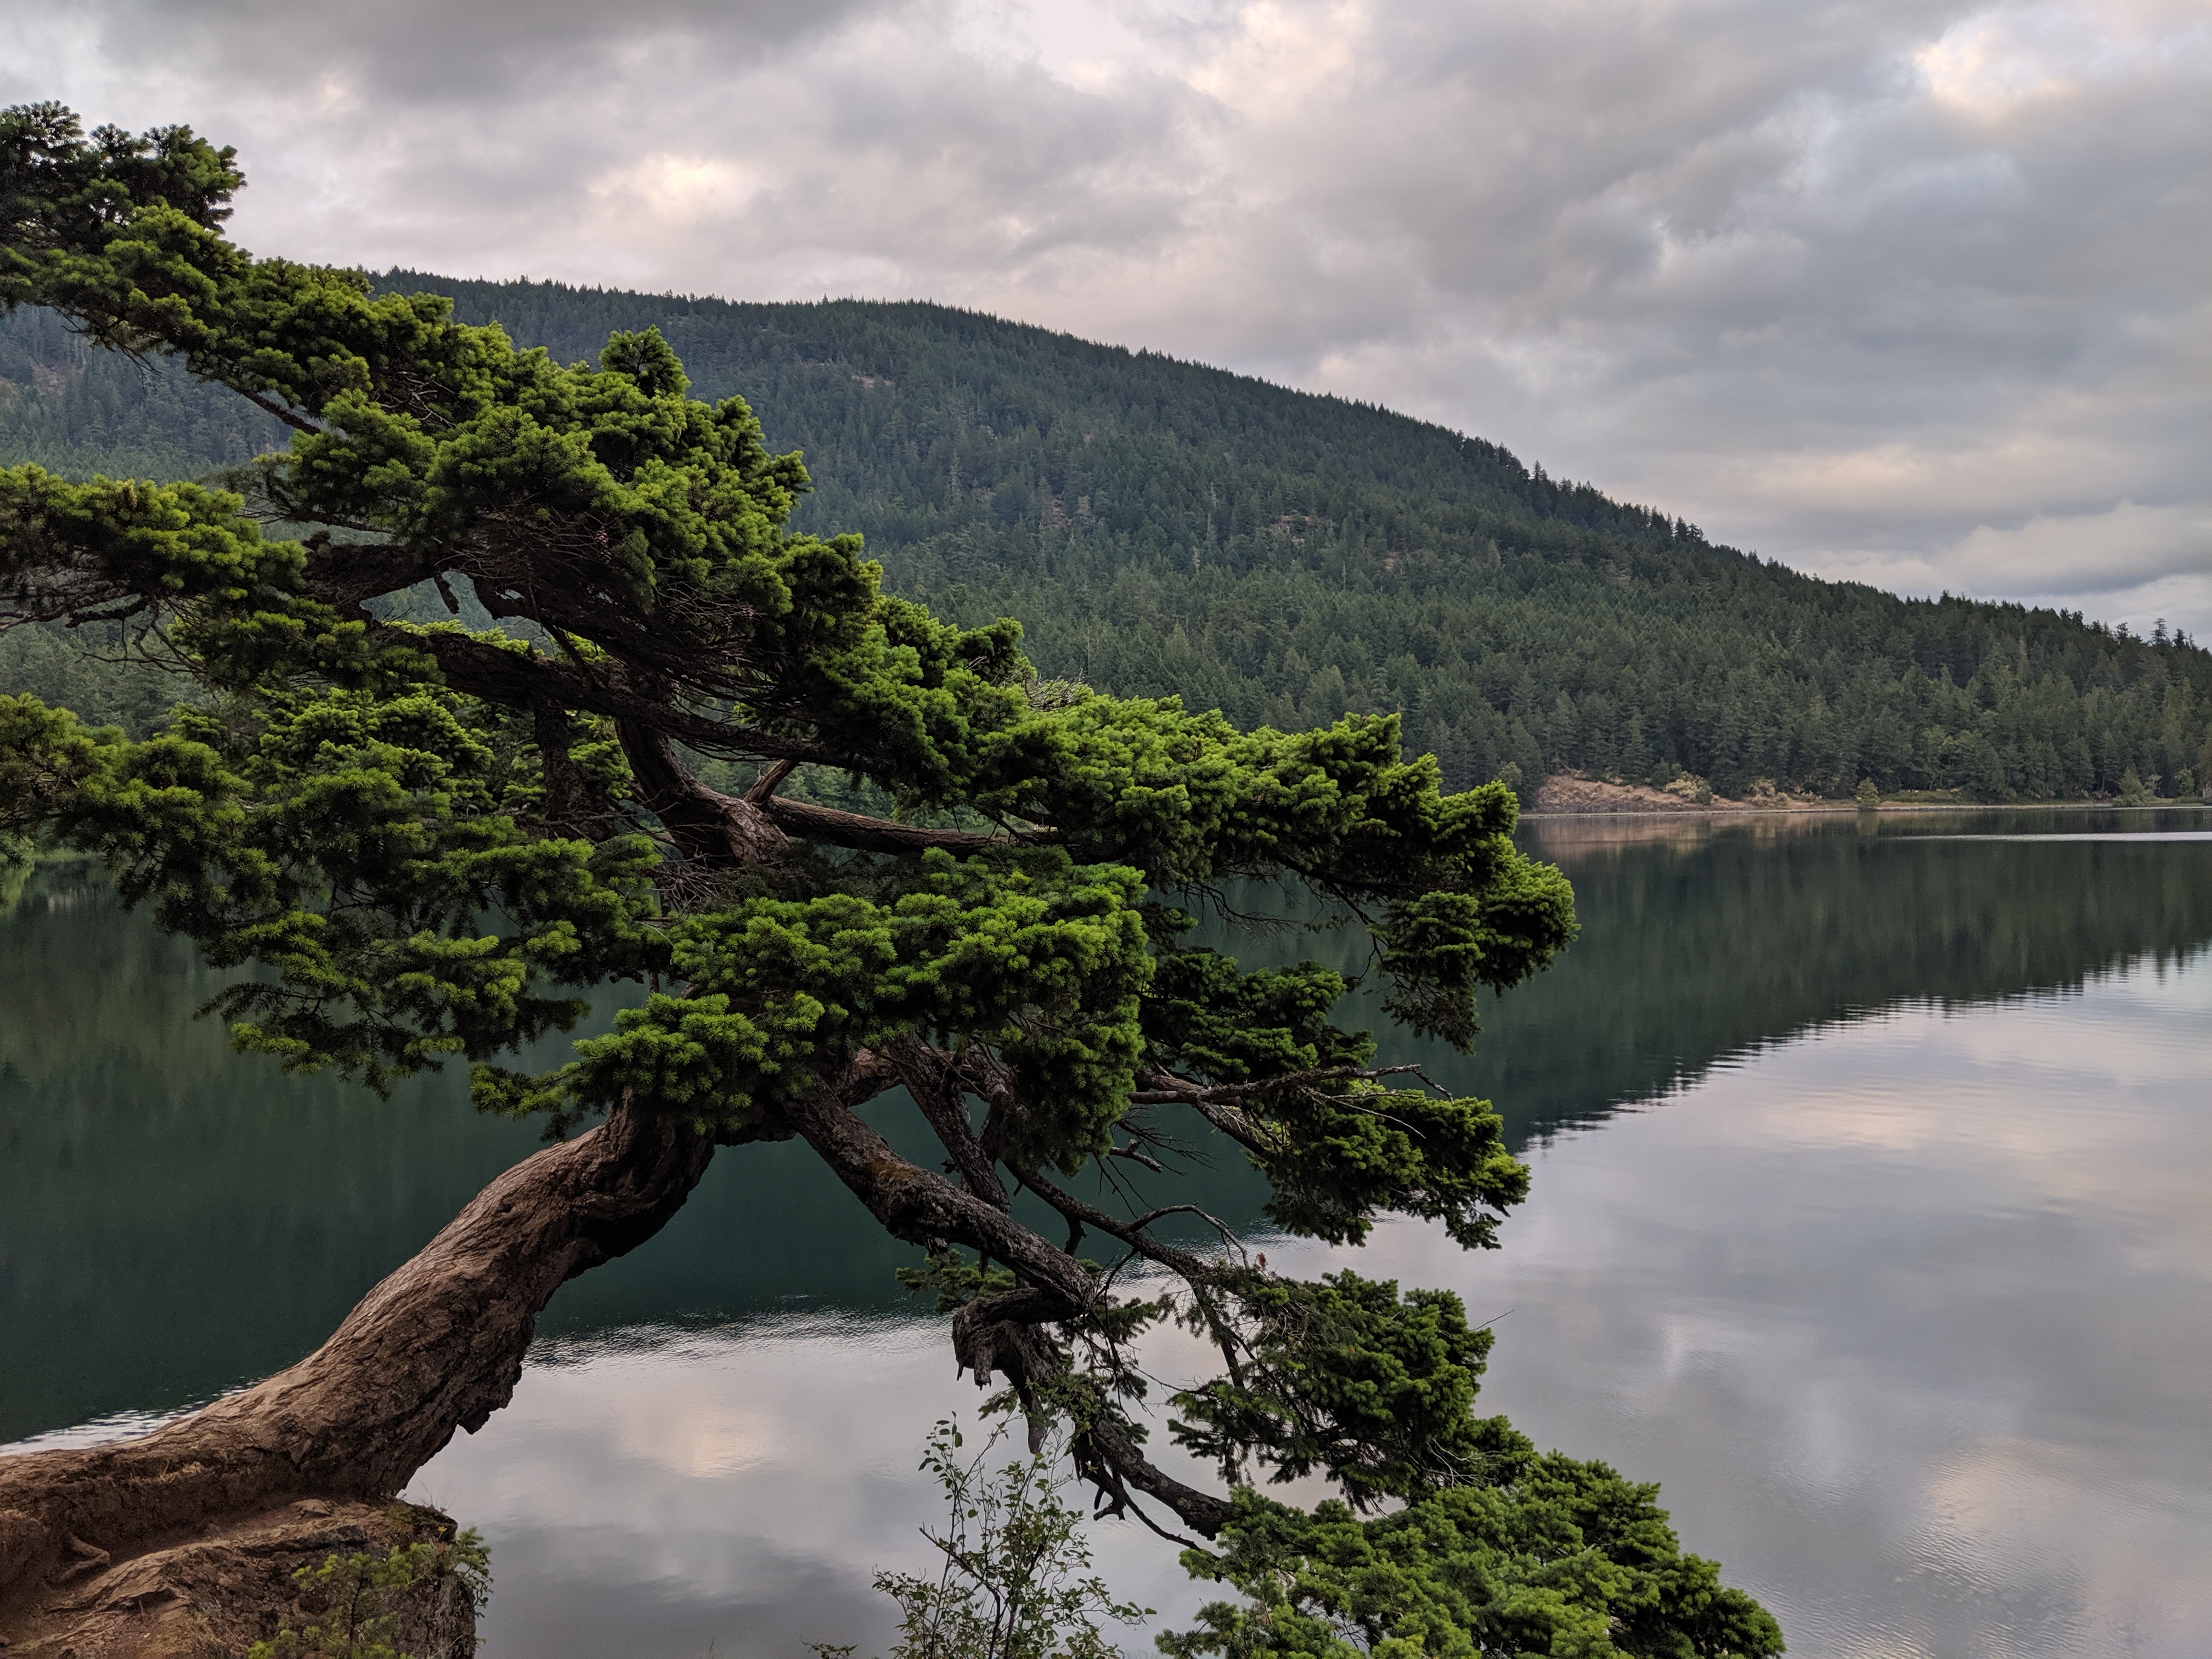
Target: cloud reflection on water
(1910, 1316)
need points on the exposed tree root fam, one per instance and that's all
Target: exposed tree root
(437, 1346)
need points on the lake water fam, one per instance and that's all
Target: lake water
(1869, 1217)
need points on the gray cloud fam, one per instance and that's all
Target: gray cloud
(1907, 292)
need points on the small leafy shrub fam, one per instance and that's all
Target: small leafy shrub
(364, 1597)
(1013, 1579)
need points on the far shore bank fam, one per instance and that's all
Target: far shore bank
(1566, 796)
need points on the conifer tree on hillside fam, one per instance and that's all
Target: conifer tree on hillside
(429, 840)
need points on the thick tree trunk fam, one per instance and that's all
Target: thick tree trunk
(437, 1346)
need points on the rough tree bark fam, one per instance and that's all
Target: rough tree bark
(437, 1346)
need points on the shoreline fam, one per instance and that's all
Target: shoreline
(1636, 807)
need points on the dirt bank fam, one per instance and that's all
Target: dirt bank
(1566, 792)
(223, 1590)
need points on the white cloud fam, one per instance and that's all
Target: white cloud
(1870, 288)
(2132, 564)
(2128, 547)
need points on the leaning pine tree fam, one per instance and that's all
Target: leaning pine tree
(427, 840)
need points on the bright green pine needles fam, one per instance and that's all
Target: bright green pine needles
(1547, 1555)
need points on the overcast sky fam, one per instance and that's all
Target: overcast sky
(1916, 293)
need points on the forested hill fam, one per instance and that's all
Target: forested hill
(1160, 526)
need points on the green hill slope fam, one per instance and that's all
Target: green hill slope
(1160, 526)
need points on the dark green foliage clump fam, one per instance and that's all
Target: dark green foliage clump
(1346, 1375)
(1487, 1546)
(1548, 1555)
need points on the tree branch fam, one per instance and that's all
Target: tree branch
(770, 780)
(707, 826)
(1167, 1089)
(1220, 1105)
(519, 679)
(930, 1078)
(925, 1209)
(867, 834)
(1132, 1233)
(270, 405)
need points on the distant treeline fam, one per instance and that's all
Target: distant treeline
(1697, 948)
(1163, 527)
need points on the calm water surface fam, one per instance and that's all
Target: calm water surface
(1868, 1217)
